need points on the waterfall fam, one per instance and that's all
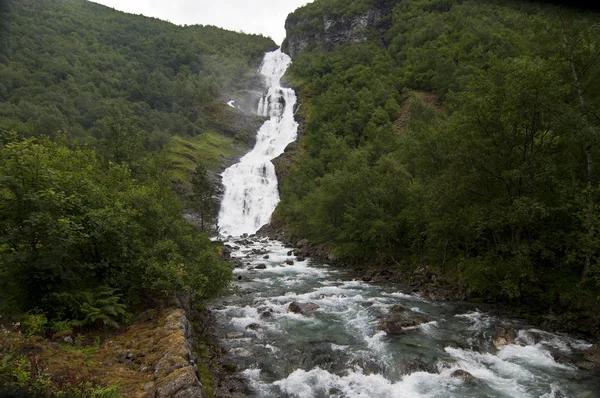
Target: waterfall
(251, 192)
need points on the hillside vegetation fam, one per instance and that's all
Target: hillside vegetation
(494, 187)
(101, 112)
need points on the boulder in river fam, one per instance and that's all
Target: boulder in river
(261, 266)
(401, 322)
(591, 358)
(503, 337)
(302, 243)
(463, 375)
(300, 258)
(289, 262)
(303, 308)
(253, 326)
(266, 257)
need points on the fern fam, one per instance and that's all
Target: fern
(97, 307)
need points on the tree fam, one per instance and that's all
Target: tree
(202, 198)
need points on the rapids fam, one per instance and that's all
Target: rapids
(339, 351)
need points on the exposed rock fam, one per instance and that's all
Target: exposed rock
(235, 335)
(300, 258)
(401, 322)
(398, 308)
(180, 379)
(463, 375)
(593, 354)
(302, 243)
(261, 266)
(266, 257)
(253, 326)
(303, 308)
(335, 29)
(68, 340)
(291, 252)
(503, 337)
(289, 262)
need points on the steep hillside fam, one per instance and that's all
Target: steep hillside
(488, 180)
(65, 64)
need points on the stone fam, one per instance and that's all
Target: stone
(461, 374)
(179, 380)
(290, 253)
(401, 322)
(289, 262)
(266, 257)
(235, 335)
(148, 386)
(68, 340)
(300, 259)
(592, 354)
(503, 337)
(253, 326)
(303, 308)
(190, 392)
(261, 266)
(302, 243)
(332, 258)
(267, 314)
(398, 308)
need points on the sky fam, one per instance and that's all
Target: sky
(249, 16)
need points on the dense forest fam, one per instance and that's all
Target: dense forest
(462, 137)
(92, 101)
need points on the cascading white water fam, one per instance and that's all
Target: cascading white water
(251, 185)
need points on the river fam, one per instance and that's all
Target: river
(339, 350)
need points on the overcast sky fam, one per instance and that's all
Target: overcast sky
(254, 16)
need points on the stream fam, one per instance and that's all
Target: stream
(338, 348)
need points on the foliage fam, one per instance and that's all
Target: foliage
(455, 139)
(73, 230)
(202, 198)
(62, 63)
(97, 307)
(34, 325)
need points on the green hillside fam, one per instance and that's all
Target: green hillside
(491, 182)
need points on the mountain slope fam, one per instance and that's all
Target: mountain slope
(492, 186)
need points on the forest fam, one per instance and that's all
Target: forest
(463, 139)
(91, 231)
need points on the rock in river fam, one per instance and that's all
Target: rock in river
(303, 308)
(503, 337)
(400, 322)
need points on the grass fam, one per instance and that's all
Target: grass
(209, 148)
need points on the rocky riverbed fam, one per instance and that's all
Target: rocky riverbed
(298, 328)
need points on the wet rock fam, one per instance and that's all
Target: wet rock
(303, 308)
(531, 337)
(266, 257)
(368, 276)
(234, 335)
(291, 252)
(267, 314)
(261, 266)
(463, 375)
(332, 258)
(289, 262)
(503, 337)
(414, 365)
(243, 278)
(398, 308)
(236, 263)
(253, 326)
(367, 304)
(300, 259)
(401, 322)
(593, 354)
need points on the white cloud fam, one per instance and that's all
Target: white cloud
(254, 16)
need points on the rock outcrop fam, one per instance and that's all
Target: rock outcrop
(327, 32)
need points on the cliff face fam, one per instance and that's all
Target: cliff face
(327, 32)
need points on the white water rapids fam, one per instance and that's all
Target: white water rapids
(339, 350)
(251, 185)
